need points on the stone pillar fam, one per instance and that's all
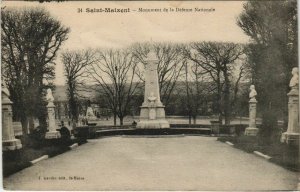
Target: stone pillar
(9, 142)
(252, 130)
(292, 135)
(52, 132)
(152, 114)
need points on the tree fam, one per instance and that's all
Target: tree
(75, 65)
(115, 73)
(30, 41)
(217, 60)
(197, 88)
(272, 26)
(240, 80)
(169, 68)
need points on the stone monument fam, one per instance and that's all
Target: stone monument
(9, 142)
(152, 114)
(252, 130)
(90, 115)
(292, 135)
(52, 132)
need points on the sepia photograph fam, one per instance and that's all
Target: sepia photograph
(150, 95)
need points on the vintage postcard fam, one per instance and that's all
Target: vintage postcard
(150, 95)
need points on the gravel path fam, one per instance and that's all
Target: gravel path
(140, 163)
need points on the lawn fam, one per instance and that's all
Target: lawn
(282, 154)
(14, 161)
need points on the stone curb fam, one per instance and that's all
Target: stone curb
(153, 136)
(229, 143)
(39, 159)
(262, 155)
(75, 145)
(47, 156)
(255, 152)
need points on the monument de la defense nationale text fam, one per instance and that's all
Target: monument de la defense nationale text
(173, 9)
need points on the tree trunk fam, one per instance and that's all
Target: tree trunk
(73, 106)
(190, 119)
(30, 123)
(43, 123)
(269, 127)
(227, 106)
(195, 119)
(188, 95)
(121, 120)
(24, 122)
(115, 120)
(220, 118)
(219, 108)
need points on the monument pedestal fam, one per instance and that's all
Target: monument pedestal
(10, 145)
(52, 133)
(159, 122)
(292, 135)
(9, 142)
(153, 124)
(290, 138)
(252, 130)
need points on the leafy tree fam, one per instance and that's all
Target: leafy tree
(30, 41)
(272, 26)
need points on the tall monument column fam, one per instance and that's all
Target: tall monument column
(52, 132)
(252, 130)
(292, 135)
(9, 142)
(152, 114)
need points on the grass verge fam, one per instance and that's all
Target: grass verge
(280, 153)
(14, 161)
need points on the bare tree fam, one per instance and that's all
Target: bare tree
(197, 86)
(75, 64)
(115, 73)
(216, 59)
(242, 75)
(30, 41)
(170, 65)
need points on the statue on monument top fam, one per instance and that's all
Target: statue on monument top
(5, 90)
(49, 96)
(252, 93)
(90, 115)
(295, 79)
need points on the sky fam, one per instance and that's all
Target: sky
(118, 30)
